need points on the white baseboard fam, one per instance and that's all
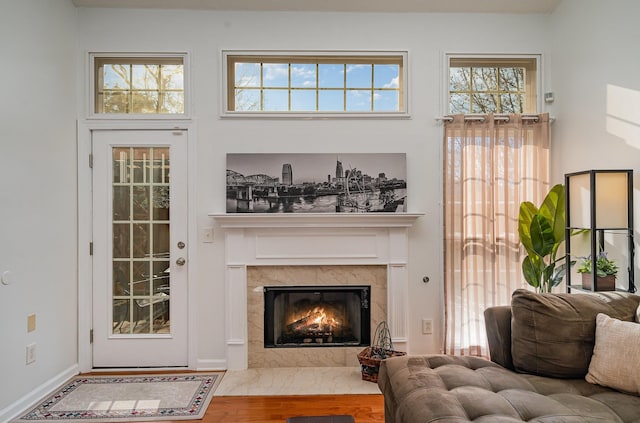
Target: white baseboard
(211, 364)
(23, 404)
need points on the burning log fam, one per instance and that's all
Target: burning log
(306, 323)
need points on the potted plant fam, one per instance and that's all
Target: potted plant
(542, 231)
(606, 271)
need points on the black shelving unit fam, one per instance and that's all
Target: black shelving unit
(589, 180)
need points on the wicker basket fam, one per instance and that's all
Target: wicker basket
(370, 361)
(381, 348)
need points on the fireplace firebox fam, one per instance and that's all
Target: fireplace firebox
(317, 316)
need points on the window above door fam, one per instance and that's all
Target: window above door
(126, 86)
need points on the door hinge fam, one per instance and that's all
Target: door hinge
(91, 336)
(91, 248)
(90, 161)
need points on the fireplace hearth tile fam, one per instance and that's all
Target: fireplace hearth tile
(304, 357)
(295, 381)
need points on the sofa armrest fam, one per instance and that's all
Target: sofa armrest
(497, 322)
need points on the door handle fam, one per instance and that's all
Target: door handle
(180, 261)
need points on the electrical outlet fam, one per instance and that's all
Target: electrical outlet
(31, 353)
(31, 323)
(427, 326)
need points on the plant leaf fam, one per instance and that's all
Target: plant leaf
(527, 211)
(532, 272)
(542, 237)
(553, 209)
(558, 274)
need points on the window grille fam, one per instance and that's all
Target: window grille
(139, 85)
(315, 83)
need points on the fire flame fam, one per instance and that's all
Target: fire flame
(317, 318)
(323, 317)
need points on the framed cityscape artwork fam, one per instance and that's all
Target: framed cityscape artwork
(316, 183)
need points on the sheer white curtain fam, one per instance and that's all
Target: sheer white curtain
(490, 167)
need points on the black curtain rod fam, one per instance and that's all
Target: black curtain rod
(499, 117)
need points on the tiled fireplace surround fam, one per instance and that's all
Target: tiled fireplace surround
(311, 249)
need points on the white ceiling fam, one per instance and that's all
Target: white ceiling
(403, 6)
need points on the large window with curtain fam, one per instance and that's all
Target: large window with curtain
(491, 164)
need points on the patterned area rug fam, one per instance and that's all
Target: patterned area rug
(128, 398)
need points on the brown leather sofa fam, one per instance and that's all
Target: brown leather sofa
(540, 347)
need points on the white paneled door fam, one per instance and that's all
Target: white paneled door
(139, 249)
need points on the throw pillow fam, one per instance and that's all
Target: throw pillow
(554, 334)
(638, 314)
(616, 355)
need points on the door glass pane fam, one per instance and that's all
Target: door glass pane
(121, 204)
(140, 284)
(161, 203)
(140, 202)
(121, 286)
(121, 165)
(121, 319)
(161, 240)
(121, 243)
(161, 165)
(141, 164)
(140, 235)
(140, 242)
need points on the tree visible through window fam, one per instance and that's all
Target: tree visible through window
(133, 85)
(492, 85)
(303, 83)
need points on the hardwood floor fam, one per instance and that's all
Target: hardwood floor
(276, 409)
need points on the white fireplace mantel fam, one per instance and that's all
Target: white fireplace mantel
(316, 220)
(313, 239)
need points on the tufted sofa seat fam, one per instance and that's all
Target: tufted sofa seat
(540, 347)
(448, 389)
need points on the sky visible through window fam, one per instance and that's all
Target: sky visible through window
(325, 87)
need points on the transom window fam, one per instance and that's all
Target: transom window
(492, 85)
(315, 83)
(139, 85)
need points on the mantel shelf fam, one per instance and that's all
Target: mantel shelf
(316, 220)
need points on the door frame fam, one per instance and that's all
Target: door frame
(85, 233)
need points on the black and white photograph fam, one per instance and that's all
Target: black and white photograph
(316, 183)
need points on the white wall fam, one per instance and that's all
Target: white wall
(204, 33)
(591, 65)
(37, 193)
(594, 64)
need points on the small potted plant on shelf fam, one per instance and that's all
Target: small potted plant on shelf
(606, 271)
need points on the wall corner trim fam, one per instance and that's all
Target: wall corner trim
(30, 399)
